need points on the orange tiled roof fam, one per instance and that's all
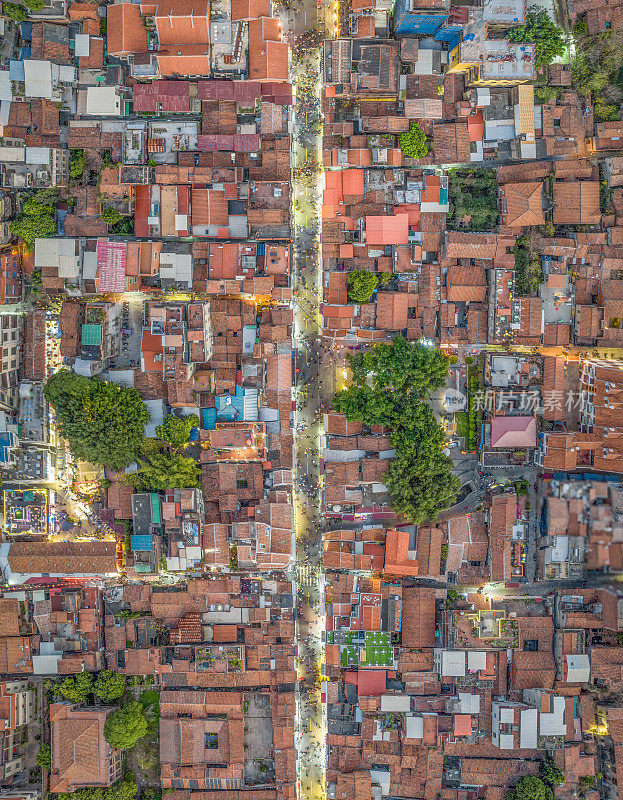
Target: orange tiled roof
(268, 55)
(524, 204)
(125, 31)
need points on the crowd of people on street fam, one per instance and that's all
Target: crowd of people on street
(310, 402)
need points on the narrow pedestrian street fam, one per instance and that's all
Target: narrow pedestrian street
(307, 189)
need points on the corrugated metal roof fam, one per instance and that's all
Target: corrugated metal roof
(142, 542)
(173, 96)
(240, 91)
(155, 508)
(238, 142)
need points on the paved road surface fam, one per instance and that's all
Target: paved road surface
(310, 723)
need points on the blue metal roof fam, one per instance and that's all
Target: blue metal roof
(7, 441)
(16, 70)
(208, 416)
(141, 542)
(60, 221)
(244, 405)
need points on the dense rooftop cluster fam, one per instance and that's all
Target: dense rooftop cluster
(311, 384)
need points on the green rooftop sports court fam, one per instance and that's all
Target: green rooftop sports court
(365, 649)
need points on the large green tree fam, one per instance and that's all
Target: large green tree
(596, 67)
(34, 208)
(45, 197)
(44, 757)
(473, 199)
(413, 142)
(361, 285)
(540, 31)
(76, 689)
(111, 216)
(150, 700)
(532, 788)
(125, 727)
(109, 685)
(124, 789)
(36, 221)
(419, 479)
(77, 164)
(102, 422)
(14, 11)
(550, 771)
(160, 471)
(391, 374)
(391, 385)
(176, 430)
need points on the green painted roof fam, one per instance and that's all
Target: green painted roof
(91, 334)
(155, 508)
